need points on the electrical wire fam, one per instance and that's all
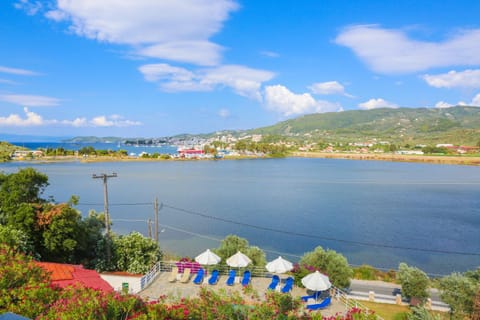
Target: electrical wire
(297, 234)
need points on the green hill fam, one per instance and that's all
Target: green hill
(456, 125)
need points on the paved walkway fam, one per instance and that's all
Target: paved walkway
(161, 286)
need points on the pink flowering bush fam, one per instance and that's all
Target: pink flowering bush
(24, 287)
(78, 302)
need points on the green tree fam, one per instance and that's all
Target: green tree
(232, 243)
(59, 225)
(331, 263)
(135, 253)
(91, 239)
(458, 291)
(15, 238)
(414, 282)
(16, 189)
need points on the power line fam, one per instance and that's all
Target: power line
(117, 204)
(199, 235)
(300, 234)
(305, 235)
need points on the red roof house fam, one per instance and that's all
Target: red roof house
(64, 275)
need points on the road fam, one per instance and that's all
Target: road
(384, 291)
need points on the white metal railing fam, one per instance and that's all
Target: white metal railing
(351, 303)
(150, 275)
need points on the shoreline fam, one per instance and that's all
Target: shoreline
(450, 160)
(455, 160)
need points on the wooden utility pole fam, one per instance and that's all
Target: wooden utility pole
(155, 205)
(105, 177)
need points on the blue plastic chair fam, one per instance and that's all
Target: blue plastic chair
(315, 296)
(274, 283)
(325, 303)
(213, 278)
(288, 285)
(199, 278)
(246, 278)
(231, 278)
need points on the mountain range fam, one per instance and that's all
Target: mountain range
(458, 125)
(455, 125)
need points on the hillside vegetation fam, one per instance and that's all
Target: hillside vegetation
(6, 149)
(456, 125)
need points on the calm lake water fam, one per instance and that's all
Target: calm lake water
(372, 212)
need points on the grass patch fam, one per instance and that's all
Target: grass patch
(395, 312)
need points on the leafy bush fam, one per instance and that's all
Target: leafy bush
(24, 287)
(329, 262)
(366, 272)
(459, 290)
(414, 282)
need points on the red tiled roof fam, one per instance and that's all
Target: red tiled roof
(67, 274)
(57, 271)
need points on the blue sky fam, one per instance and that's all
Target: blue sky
(155, 68)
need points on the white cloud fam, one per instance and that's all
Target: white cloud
(442, 105)
(270, 54)
(112, 121)
(30, 7)
(163, 71)
(242, 80)
(280, 99)
(452, 79)
(329, 87)
(16, 71)
(224, 113)
(376, 103)
(32, 119)
(392, 51)
(30, 100)
(172, 30)
(195, 52)
(476, 101)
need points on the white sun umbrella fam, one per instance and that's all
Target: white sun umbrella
(279, 265)
(316, 281)
(207, 258)
(238, 260)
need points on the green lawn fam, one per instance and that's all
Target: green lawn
(393, 311)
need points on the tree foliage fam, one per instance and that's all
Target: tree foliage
(50, 232)
(414, 282)
(330, 263)
(135, 253)
(459, 291)
(232, 243)
(15, 238)
(17, 189)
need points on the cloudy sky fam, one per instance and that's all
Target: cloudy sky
(160, 67)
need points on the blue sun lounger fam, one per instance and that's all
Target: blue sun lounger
(231, 278)
(325, 303)
(213, 278)
(288, 285)
(274, 283)
(199, 278)
(246, 278)
(315, 296)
